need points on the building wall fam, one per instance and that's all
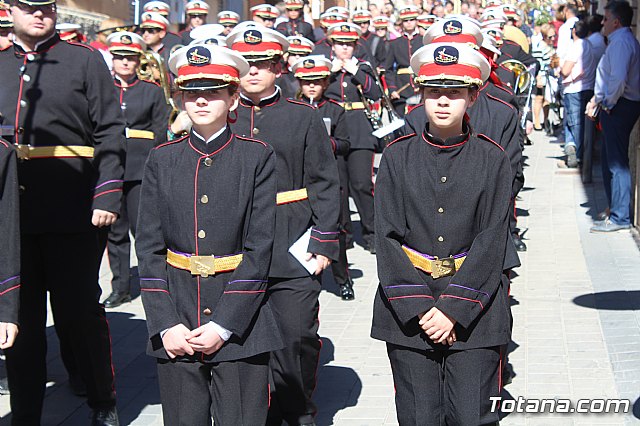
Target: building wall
(113, 8)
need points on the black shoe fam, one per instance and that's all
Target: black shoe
(105, 417)
(346, 291)
(4, 386)
(517, 241)
(116, 299)
(78, 388)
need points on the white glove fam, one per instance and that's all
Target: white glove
(336, 65)
(351, 67)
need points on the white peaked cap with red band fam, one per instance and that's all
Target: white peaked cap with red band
(361, 16)
(449, 65)
(257, 43)
(126, 43)
(196, 8)
(158, 7)
(453, 30)
(206, 31)
(345, 32)
(315, 67)
(265, 11)
(154, 20)
(228, 17)
(300, 45)
(207, 66)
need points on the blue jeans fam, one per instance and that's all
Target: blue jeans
(616, 130)
(574, 106)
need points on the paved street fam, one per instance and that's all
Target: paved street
(576, 308)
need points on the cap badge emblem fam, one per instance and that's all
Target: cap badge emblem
(447, 55)
(197, 58)
(309, 63)
(125, 39)
(253, 37)
(453, 28)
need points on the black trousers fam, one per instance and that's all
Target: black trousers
(359, 172)
(295, 305)
(119, 246)
(234, 393)
(445, 387)
(340, 268)
(65, 265)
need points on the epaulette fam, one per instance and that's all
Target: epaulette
(86, 46)
(490, 96)
(295, 101)
(244, 138)
(401, 138)
(488, 139)
(173, 142)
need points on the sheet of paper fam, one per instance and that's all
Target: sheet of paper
(299, 251)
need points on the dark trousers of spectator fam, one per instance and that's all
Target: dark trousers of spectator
(616, 131)
(340, 268)
(359, 171)
(445, 387)
(65, 265)
(119, 245)
(574, 118)
(294, 302)
(232, 392)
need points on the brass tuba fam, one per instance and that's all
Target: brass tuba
(523, 76)
(153, 69)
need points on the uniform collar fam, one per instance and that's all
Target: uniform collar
(268, 100)
(214, 144)
(316, 102)
(41, 46)
(131, 82)
(448, 142)
(412, 35)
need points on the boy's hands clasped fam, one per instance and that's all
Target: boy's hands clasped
(179, 340)
(438, 326)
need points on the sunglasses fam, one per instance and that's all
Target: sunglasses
(197, 16)
(149, 30)
(46, 9)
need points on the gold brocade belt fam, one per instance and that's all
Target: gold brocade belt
(204, 265)
(350, 106)
(433, 265)
(26, 152)
(291, 196)
(139, 134)
(401, 71)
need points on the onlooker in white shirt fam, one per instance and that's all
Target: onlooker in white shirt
(565, 39)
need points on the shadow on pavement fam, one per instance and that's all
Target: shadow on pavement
(337, 388)
(610, 300)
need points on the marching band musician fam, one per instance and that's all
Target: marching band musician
(312, 73)
(154, 29)
(298, 47)
(265, 15)
(375, 44)
(171, 39)
(308, 201)
(295, 25)
(442, 304)
(196, 12)
(204, 246)
(350, 83)
(228, 19)
(146, 114)
(399, 51)
(333, 16)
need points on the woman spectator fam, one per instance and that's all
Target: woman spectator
(579, 73)
(542, 50)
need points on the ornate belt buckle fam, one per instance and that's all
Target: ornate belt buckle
(22, 151)
(202, 265)
(443, 267)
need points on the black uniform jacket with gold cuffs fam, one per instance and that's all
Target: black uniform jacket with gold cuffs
(62, 94)
(10, 231)
(209, 199)
(443, 198)
(304, 159)
(343, 88)
(397, 64)
(144, 108)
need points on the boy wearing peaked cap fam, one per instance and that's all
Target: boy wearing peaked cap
(295, 23)
(298, 48)
(308, 203)
(204, 246)
(228, 19)
(442, 201)
(153, 29)
(196, 12)
(265, 15)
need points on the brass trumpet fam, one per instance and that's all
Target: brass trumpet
(153, 69)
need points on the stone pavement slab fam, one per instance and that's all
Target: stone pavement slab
(576, 332)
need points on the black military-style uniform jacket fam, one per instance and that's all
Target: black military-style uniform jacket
(10, 231)
(506, 76)
(62, 94)
(377, 46)
(288, 83)
(209, 199)
(339, 135)
(304, 160)
(144, 108)
(171, 40)
(443, 198)
(343, 89)
(399, 53)
(362, 52)
(294, 27)
(185, 37)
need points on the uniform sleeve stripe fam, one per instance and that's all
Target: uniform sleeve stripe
(469, 288)
(108, 182)
(153, 279)
(154, 290)
(10, 289)
(106, 192)
(463, 298)
(10, 279)
(244, 291)
(324, 241)
(413, 296)
(406, 285)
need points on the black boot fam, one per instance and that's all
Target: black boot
(116, 299)
(517, 241)
(105, 417)
(346, 290)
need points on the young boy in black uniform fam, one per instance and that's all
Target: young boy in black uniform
(312, 73)
(442, 199)
(308, 199)
(204, 241)
(146, 113)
